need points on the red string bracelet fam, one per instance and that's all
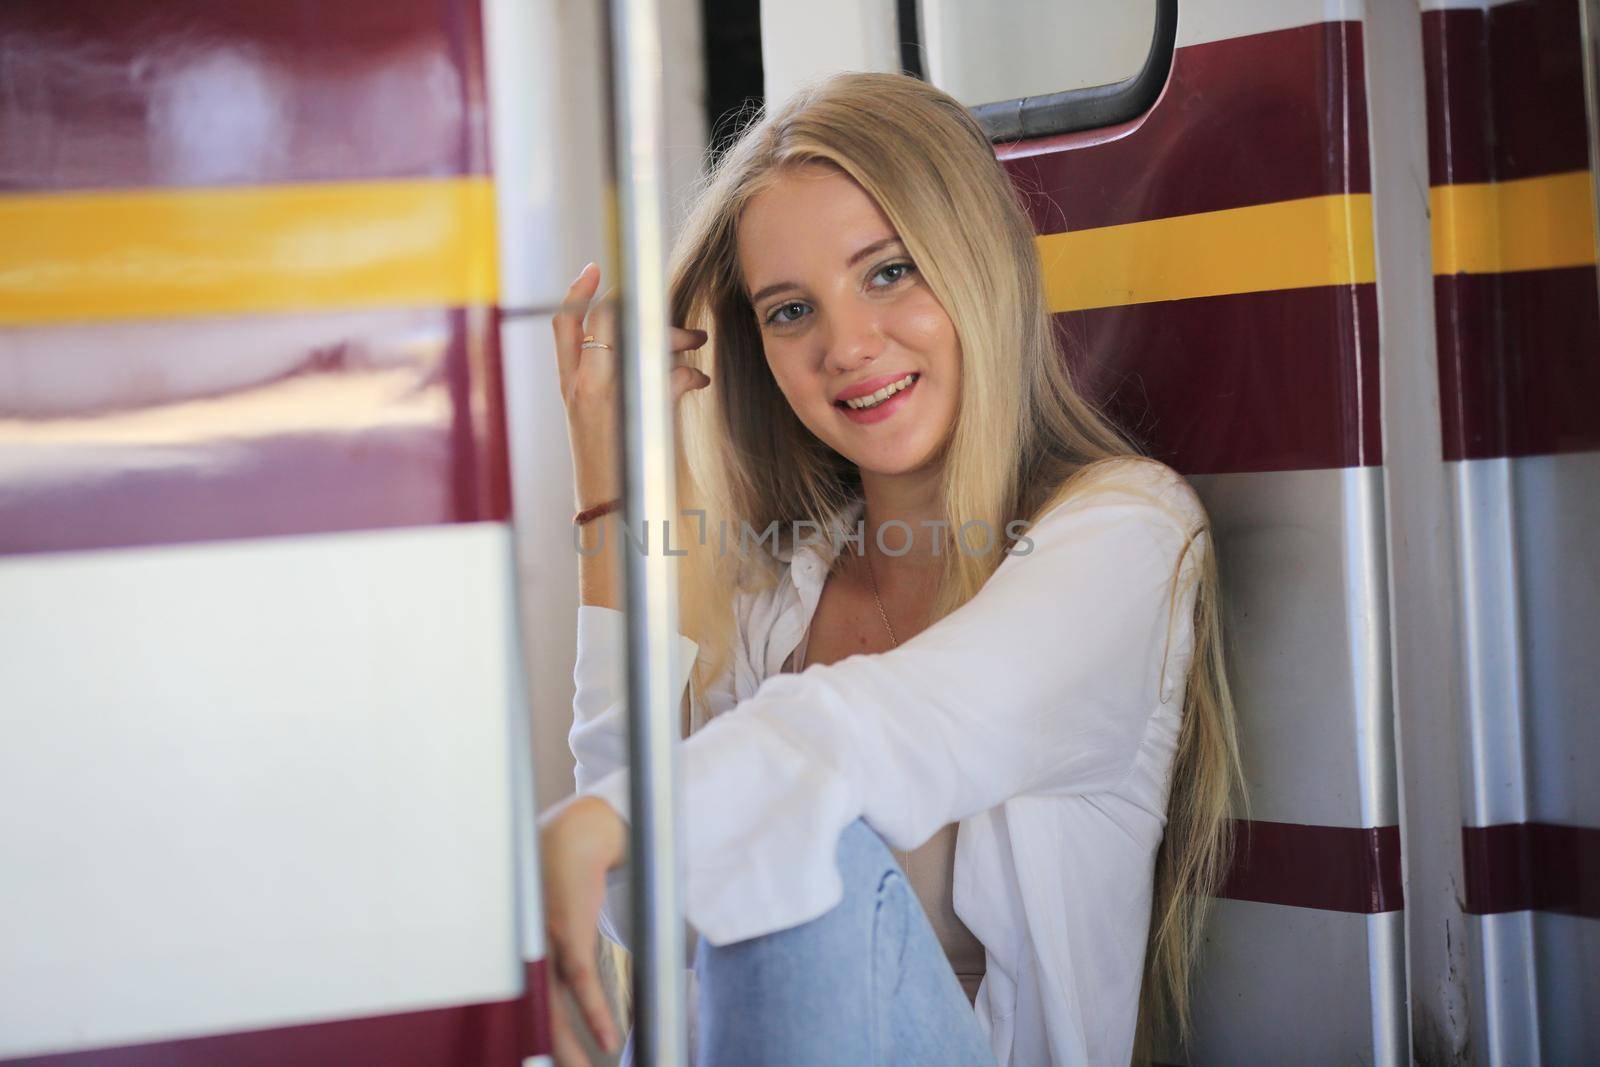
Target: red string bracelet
(598, 510)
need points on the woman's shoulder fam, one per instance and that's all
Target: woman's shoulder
(1128, 480)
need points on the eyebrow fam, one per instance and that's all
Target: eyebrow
(855, 257)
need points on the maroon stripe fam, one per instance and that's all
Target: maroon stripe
(1519, 362)
(1250, 120)
(1281, 380)
(1330, 868)
(481, 473)
(388, 419)
(1249, 382)
(1532, 867)
(1505, 92)
(534, 1036)
(1455, 52)
(116, 93)
(471, 1035)
(1517, 365)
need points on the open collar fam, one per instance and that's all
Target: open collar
(810, 562)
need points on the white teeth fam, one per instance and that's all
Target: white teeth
(861, 403)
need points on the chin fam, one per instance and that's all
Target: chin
(894, 455)
(900, 463)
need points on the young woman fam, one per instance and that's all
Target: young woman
(976, 736)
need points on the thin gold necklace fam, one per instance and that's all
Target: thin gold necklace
(884, 615)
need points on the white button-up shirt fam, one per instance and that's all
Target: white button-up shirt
(1042, 715)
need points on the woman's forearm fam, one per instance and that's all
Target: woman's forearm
(599, 561)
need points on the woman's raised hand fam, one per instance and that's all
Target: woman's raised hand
(589, 384)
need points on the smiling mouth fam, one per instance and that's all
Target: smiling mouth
(872, 400)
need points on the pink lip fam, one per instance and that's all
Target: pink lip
(870, 386)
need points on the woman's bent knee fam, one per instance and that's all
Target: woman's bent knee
(837, 966)
(867, 871)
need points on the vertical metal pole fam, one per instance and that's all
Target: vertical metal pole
(1589, 30)
(660, 1034)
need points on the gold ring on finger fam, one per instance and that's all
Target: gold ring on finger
(590, 342)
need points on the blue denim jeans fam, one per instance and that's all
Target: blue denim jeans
(864, 985)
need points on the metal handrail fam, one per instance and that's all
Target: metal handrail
(639, 237)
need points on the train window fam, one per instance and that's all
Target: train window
(1028, 68)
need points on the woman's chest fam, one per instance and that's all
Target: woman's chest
(843, 625)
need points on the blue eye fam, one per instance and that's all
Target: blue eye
(773, 316)
(777, 316)
(904, 267)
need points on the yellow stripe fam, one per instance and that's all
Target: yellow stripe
(1292, 244)
(153, 254)
(1528, 224)
(178, 252)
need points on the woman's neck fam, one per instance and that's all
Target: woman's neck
(912, 499)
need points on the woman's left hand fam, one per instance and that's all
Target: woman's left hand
(579, 841)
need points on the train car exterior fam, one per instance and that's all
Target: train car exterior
(265, 779)
(1213, 266)
(1517, 330)
(265, 296)
(1340, 272)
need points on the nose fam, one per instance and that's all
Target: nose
(856, 338)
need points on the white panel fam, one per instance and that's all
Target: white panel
(1297, 594)
(989, 48)
(1282, 986)
(548, 561)
(1426, 659)
(522, 47)
(1386, 989)
(983, 53)
(1366, 604)
(1509, 1017)
(1487, 581)
(550, 134)
(255, 783)
(1569, 988)
(1200, 21)
(801, 42)
(1558, 531)
(1463, 5)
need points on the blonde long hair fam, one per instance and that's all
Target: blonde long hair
(1024, 438)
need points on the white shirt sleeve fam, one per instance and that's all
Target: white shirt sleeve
(1042, 683)
(599, 734)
